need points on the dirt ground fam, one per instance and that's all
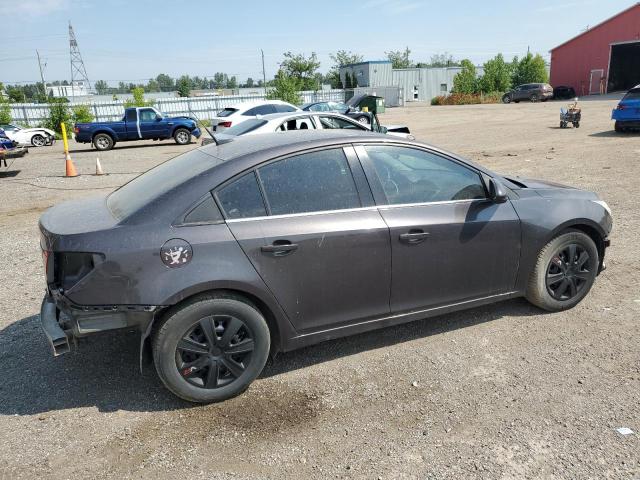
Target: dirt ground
(499, 392)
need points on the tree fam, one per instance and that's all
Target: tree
(15, 94)
(165, 82)
(58, 114)
(184, 86)
(232, 83)
(465, 81)
(531, 69)
(153, 86)
(101, 87)
(138, 99)
(249, 83)
(219, 80)
(340, 59)
(301, 69)
(440, 60)
(497, 75)
(400, 59)
(285, 88)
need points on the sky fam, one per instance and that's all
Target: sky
(134, 40)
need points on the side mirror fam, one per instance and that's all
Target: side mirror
(158, 117)
(497, 192)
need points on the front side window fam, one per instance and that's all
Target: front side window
(409, 175)
(242, 198)
(311, 182)
(147, 115)
(299, 123)
(329, 122)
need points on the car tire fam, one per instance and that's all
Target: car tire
(364, 120)
(618, 127)
(576, 124)
(564, 272)
(534, 98)
(516, 101)
(182, 136)
(38, 140)
(563, 124)
(506, 99)
(103, 142)
(186, 360)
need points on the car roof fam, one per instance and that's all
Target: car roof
(277, 116)
(254, 103)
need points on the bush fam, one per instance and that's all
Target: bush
(285, 88)
(466, 82)
(138, 99)
(5, 112)
(58, 114)
(467, 99)
(82, 114)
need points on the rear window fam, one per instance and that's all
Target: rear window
(633, 94)
(245, 127)
(151, 185)
(227, 112)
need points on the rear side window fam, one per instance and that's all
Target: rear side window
(260, 110)
(242, 198)
(633, 94)
(284, 108)
(131, 115)
(312, 182)
(205, 212)
(245, 127)
(409, 175)
(227, 112)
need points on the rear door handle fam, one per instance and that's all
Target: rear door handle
(280, 248)
(414, 236)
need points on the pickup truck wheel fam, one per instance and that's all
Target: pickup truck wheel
(211, 348)
(182, 136)
(103, 142)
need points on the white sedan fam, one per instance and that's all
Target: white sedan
(236, 114)
(38, 137)
(286, 122)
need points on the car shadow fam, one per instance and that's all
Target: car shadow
(613, 133)
(103, 372)
(120, 146)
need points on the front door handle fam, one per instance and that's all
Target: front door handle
(414, 236)
(280, 248)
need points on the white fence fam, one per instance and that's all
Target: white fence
(33, 114)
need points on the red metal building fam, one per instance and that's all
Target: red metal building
(605, 58)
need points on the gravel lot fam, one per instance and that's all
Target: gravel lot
(503, 391)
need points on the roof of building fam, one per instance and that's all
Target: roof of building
(365, 63)
(635, 5)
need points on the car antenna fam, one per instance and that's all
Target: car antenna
(213, 137)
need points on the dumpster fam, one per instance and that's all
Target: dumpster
(371, 103)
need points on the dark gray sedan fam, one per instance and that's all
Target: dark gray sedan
(232, 252)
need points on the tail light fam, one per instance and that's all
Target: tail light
(76, 130)
(620, 107)
(45, 261)
(224, 124)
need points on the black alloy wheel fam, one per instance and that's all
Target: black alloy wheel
(568, 272)
(215, 351)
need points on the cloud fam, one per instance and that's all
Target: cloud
(38, 7)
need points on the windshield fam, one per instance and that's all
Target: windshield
(633, 94)
(245, 127)
(151, 185)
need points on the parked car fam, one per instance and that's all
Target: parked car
(138, 123)
(326, 107)
(627, 113)
(294, 121)
(10, 148)
(534, 92)
(37, 137)
(236, 114)
(268, 243)
(564, 93)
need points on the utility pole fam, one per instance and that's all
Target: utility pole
(264, 74)
(44, 85)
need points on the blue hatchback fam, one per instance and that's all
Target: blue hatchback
(627, 113)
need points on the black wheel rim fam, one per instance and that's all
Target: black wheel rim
(214, 352)
(569, 272)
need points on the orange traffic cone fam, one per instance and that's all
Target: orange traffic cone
(70, 167)
(99, 167)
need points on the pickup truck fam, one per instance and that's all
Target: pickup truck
(138, 123)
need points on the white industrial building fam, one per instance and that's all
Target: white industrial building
(415, 84)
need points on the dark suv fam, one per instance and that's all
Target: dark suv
(534, 92)
(268, 243)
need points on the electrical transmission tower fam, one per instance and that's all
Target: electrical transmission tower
(78, 72)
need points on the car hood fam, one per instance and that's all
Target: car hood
(33, 130)
(548, 189)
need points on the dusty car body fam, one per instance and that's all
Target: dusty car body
(231, 252)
